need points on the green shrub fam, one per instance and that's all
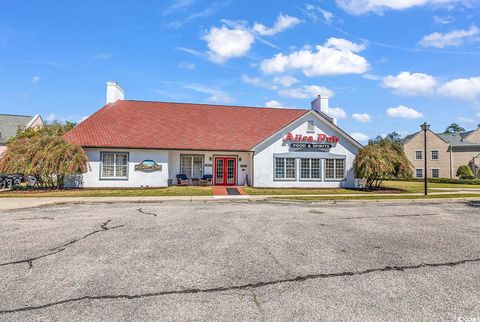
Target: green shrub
(464, 172)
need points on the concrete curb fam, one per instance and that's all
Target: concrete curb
(22, 203)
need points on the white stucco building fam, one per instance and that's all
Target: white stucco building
(148, 144)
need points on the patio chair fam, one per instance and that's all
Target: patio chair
(206, 180)
(182, 180)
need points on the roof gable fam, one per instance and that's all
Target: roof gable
(10, 124)
(162, 125)
(322, 118)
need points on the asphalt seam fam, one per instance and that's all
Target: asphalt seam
(58, 249)
(140, 210)
(244, 286)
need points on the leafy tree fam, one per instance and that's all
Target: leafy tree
(465, 172)
(454, 128)
(44, 154)
(393, 137)
(379, 160)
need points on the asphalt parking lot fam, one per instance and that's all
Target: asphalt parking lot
(238, 261)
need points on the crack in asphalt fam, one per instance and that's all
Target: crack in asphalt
(140, 210)
(243, 286)
(395, 216)
(58, 249)
(34, 218)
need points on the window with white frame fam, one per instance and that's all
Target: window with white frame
(418, 155)
(114, 165)
(192, 165)
(310, 169)
(434, 154)
(285, 169)
(311, 126)
(419, 173)
(334, 169)
(435, 173)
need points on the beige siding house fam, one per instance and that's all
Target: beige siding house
(445, 153)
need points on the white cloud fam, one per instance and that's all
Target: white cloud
(306, 91)
(274, 104)
(405, 112)
(358, 7)
(360, 137)
(337, 112)
(216, 96)
(335, 57)
(35, 79)
(453, 38)
(371, 76)
(361, 117)
(466, 120)
(407, 83)
(187, 66)
(285, 80)
(177, 6)
(52, 117)
(257, 82)
(283, 22)
(225, 43)
(344, 45)
(443, 20)
(464, 88)
(312, 11)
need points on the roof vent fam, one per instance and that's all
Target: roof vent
(114, 92)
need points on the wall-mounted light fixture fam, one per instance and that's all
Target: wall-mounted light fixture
(240, 159)
(210, 158)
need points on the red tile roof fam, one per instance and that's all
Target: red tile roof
(159, 125)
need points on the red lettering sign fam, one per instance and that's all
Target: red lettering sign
(309, 138)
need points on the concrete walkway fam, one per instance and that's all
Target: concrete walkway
(27, 202)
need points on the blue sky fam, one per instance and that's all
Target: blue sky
(387, 64)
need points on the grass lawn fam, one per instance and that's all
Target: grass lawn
(412, 186)
(149, 192)
(367, 197)
(389, 186)
(300, 191)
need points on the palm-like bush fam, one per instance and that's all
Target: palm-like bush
(44, 154)
(379, 160)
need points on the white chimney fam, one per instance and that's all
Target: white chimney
(320, 104)
(114, 92)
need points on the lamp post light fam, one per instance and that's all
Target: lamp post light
(425, 128)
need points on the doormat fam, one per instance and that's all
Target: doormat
(233, 192)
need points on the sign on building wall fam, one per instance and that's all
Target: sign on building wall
(148, 166)
(321, 141)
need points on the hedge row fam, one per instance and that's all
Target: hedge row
(475, 181)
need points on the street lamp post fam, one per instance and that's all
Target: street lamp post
(425, 128)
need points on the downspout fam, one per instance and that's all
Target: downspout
(253, 169)
(451, 164)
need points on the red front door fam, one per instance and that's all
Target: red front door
(225, 171)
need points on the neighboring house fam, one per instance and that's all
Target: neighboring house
(138, 143)
(10, 124)
(445, 152)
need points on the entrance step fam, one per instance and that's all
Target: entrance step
(228, 191)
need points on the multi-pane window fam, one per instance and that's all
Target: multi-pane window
(334, 169)
(435, 173)
(418, 155)
(192, 165)
(419, 173)
(310, 126)
(114, 165)
(285, 168)
(310, 169)
(434, 154)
